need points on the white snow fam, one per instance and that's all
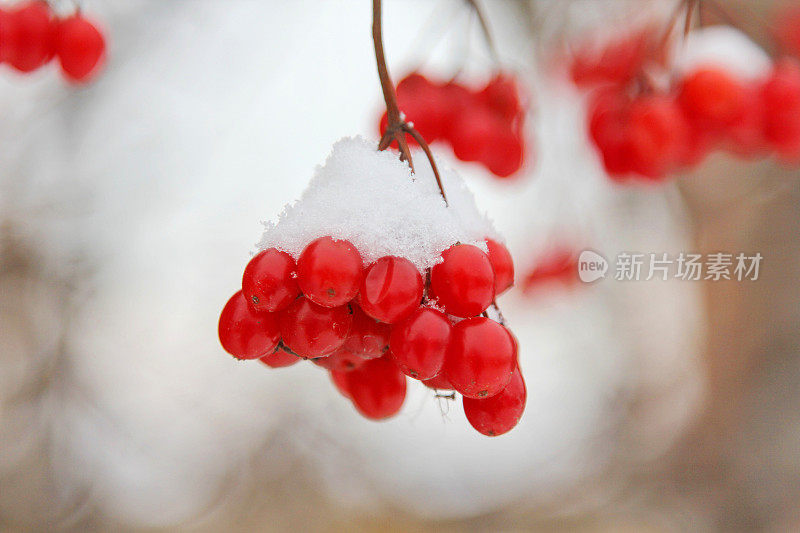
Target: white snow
(372, 199)
(722, 46)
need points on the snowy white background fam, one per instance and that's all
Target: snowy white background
(209, 118)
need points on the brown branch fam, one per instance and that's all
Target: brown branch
(425, 148)
(394, 126)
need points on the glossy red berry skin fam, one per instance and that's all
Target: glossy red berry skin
(377, 388)
(464, 281)
(419, 343)
(500, 413)
(310, 330)
(270, 281)
(79, 46)
(368, 338)
(502, 264)
(341, 361)
(480, 358)
(279, 359)
(245, 334)
(30, 36)
(439, 382)
(329, 271)
(391, 289)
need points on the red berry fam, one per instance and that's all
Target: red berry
(377, 388)
(657, 135)
(480, 358)
(501, 96)
(617, 61)
(391, 289)
(458, 99)
(439, 382)
(559, 265)
(341, 361)
(608, 129)
(340, 382)
(712, 98)
(30, 36)
(79, 46)
(500, 413)
(505, 153)
(419, 343)
(329, 271)
(245, 334)
(473, 132)
(502, 265)
(368, 338)
(464, 281)
(310, 330)
(279, 359)
(269, 281)
(780, 95)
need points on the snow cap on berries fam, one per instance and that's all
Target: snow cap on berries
(370, 198)
(724, 47)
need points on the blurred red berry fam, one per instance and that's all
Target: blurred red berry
(30, 36)
(501, 95)
(780, 95)
(712, 98)
(80, 47)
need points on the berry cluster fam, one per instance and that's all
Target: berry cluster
(371, 327)
(31, 35)
(647, 132)
(483, 126)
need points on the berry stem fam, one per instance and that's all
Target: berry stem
(396, 127)
(395, 120)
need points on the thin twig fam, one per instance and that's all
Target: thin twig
(425, 148)
(396, 126)
(394, 120)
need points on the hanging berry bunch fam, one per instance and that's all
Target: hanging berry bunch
(484, 124)
(647, 130)
(376, 274)
(31, 35)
